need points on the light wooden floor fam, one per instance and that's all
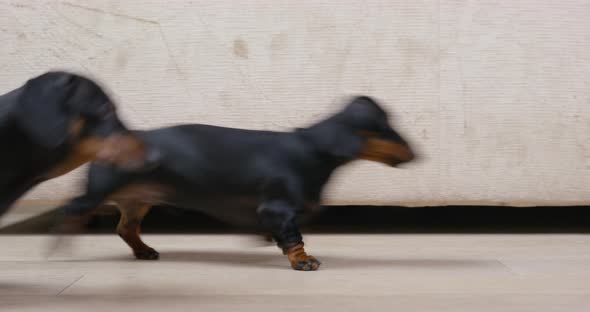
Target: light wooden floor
(403, 273)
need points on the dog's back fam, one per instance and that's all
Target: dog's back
(215, 157)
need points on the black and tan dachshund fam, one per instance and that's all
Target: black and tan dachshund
(55, 123)
(244, 176)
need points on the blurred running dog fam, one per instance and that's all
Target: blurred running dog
(55, 123)
(244, 176)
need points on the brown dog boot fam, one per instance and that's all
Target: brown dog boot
(300, 260)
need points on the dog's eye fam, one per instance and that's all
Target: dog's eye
(108, 112)
(102, 112)
(65, 81)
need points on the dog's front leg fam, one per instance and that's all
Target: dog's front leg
(278, 217)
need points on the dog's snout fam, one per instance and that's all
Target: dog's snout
(402, 154)
(409, 154)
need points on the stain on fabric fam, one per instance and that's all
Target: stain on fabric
(240, 48)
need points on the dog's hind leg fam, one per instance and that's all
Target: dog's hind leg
(103, 182)
(74, 215)
(132, 214)
(72, 218)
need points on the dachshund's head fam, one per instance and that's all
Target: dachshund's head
(60, 109)
(362, 130)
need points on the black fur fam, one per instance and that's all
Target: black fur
(250, 177)
(35, 128)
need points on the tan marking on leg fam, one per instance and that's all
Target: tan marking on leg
(129, 228)
(151, 193)
(300, 260)
(134, 202)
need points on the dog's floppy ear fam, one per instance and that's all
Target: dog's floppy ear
(339, 141)
(41, 109)
(347, 145)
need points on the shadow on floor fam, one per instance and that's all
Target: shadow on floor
(276, 260)
(354, 219)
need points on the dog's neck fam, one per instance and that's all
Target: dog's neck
(318, 139)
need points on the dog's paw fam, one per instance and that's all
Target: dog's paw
(309, 264)
(147, 254)
(301, 261)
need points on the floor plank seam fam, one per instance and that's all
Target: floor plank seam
(70, 285)
(513, 272)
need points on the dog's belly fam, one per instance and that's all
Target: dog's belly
(234, 210)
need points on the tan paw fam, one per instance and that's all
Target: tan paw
(300, 260)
